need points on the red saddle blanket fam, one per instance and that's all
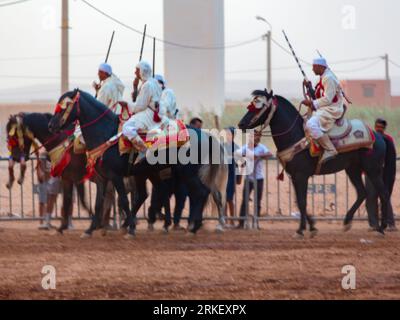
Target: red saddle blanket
(172, 134)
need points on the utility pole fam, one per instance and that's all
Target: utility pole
(64, 47)
(268, 38)
(388, 93)
(269, 61)
(386, 58)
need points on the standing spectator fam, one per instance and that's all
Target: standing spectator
(255, 153)
(49, 188)
(231, 147)
(196, 123)
(181, 192)
(389, 178)
(43, 176)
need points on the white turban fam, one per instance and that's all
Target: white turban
(320, 62)
(145, 70)
(160, 78)
(105, 67)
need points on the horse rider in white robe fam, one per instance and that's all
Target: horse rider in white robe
(328, 108)
(168, 105)
(145, 108)
(111, 89)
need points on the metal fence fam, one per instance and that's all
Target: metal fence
(329, 198)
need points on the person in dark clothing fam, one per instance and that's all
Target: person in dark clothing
(181, 193)
(389, 177)
(230, 148)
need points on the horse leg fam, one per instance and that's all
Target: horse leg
(355, 176)
(123, 203)
(300, 184)
(217, 197)
(199, 193)
(80, 189)
(11, 176)
(384, 197)
(165, 187)
(96, 219)
(67, 205)
(22, 172)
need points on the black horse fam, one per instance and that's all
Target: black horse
(287, 129)
(98, 126)
(37, 125)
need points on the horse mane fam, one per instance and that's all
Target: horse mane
(286, 104)
(35, 119)
(97, 104)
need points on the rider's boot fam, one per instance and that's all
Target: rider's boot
(330, 151)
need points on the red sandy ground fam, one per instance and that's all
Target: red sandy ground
(268, 264)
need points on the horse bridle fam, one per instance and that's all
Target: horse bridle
(68, 109)
(273, 106)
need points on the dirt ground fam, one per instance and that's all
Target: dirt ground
(267, 264)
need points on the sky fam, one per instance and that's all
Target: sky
(340, 29)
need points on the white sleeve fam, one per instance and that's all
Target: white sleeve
(104, 95)
(143, 100)
(262, 151)
(239, 152)
(330, 93)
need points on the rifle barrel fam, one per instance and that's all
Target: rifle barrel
(109, 47)
(144, 37)
(294, 55)
(154, 56)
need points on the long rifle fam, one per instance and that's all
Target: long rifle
(107, 55)
(109, 47)
(135, 90)
(310, 90)
(144, 37)
(154, 56)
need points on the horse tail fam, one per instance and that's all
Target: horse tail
(80, 188)
(215, 177)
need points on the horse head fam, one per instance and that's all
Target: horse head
(260, 111)
(66, 112)
(18, 143)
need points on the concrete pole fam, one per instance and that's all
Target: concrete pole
(64, 48)
(388, 95)
(269, 61)
(386, 58)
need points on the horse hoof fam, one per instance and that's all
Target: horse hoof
(150, 227)
(86, 236)
(123, 231)
(20, 182)
(347, 227)
(191, 234)
(165, 231)
(313, 233)
(298, 235)
(219, 229)
(129, 236)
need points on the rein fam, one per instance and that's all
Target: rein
(65, 118)
(265, 133)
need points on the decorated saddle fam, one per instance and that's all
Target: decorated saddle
(347, 135)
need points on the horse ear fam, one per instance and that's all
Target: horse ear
(271, 94)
